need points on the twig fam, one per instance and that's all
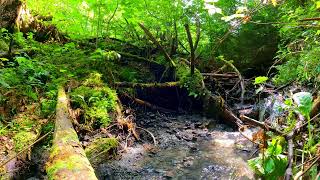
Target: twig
(154, 40)
(306, 123)
(215, 75)
(146, 85)
(151, 106)
(258, 123)
(240, 78)
(301, 173)
(289, 138)
(154, 139)
(26, 148)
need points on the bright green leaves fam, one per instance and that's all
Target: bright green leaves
(260, 80)
(318, 4)
(272, 164)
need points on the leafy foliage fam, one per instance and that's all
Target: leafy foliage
(260, 80)
(193, 83)
(95, 99)
(299, 50)
(272, 163)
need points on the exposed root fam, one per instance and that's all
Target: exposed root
(154, 139)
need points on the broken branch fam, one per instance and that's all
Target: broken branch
(146, 85)
(154, 40)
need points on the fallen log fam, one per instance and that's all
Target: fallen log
(214, 75)
(138, 58)
(146, 85)
(262, 125)
(67, 158)
(149, 105)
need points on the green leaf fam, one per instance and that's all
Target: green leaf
(304, 102)
(318, 4)
(4, 59)
(260, 80)
(269, 166)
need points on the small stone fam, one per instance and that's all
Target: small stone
(169, 174)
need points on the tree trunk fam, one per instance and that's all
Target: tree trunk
(67, 158)
(9, 12)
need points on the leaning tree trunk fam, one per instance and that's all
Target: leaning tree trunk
(67, 158)
(9, 12)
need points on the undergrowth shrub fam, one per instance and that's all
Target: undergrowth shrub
(304, 68)
(193, 83)
(96, 99)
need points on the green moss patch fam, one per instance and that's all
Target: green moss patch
(101, 146)
(96, 99)
(23, 139)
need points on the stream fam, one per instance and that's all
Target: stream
(189, 147)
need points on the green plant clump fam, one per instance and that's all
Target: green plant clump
(96, 99)
(306, 68)
(193, 83)
(271, 164)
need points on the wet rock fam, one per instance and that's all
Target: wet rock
(169, 174)
(185, 135)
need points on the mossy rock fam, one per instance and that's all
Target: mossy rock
(101, 147)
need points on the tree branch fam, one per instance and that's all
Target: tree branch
(154, 40)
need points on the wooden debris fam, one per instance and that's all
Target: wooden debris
(215, 75)
(146, 85)
(147, 104)
(154, 40)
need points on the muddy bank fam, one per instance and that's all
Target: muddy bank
(189, 147)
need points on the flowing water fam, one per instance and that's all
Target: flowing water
(189, 147)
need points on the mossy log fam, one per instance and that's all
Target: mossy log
(146, 85)
(67, 158)
(138, 58)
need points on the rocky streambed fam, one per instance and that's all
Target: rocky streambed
(189, 147)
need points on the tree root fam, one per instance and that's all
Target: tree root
(154, 139)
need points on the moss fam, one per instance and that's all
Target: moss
(23, 139)
(3, 46)
(23, 123)
(101, 145)
(54, 151)
(67, 135)
(96, 99)
(94, 80)
(193, 83)
(70, 163)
